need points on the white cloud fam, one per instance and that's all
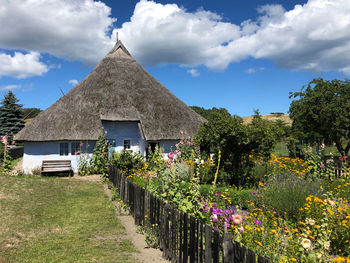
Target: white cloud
(159, 34)
(22, 65)
(194, 72)
(73, 82)
(76, 30)
(253, 70)
(10, 87)
(312, 37)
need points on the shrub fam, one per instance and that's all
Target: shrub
(99, 158)
(238, 197)
(182, 172)
(84, 167)
(286, 194)
(126, 161)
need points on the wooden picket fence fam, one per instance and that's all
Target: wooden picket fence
(181, 237)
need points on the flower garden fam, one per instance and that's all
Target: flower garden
(296, 212)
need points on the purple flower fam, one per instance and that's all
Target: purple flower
(257, 222)
(217, 211)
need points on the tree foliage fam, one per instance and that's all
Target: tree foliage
(237, 142)
(210, 113)
(11, 116)
(29, 113)
(322, 110)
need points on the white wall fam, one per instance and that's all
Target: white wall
(120, 131)
(167, 146)
(36, 152)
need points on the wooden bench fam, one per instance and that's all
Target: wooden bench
(57, 166)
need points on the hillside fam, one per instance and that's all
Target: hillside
(271, 117)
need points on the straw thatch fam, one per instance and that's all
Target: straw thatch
(118, 89)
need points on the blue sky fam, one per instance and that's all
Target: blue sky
(240, 55)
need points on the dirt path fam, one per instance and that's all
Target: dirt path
(146, 254)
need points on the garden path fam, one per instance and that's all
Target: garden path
(146, 254)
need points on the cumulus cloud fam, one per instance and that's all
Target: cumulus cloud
(194, 72)
(10, 87)
(311, 37)
(22, 65)
(73, 82)
(253, 70)
(75, 30)
(159, 34)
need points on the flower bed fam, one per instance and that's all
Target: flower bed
(290, 216)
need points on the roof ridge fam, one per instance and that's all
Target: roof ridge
(118, 45)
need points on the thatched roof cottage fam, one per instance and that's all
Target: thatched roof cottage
(118, 97)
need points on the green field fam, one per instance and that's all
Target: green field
(59, 220)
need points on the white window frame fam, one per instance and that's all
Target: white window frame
(127, 139)
(59, 149)
(79, 147)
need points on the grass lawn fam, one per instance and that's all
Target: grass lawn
(45, 219)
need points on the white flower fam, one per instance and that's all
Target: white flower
(306, 243)
(327, 244)
(311, 222)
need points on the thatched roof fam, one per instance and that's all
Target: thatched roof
(118, 89)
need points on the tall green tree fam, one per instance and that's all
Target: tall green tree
(11, 116)
(236, 142)
(322, 111)
(210, 113)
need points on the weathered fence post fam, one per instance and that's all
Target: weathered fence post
(216, 246)
(185, 238)
(208, 235)
(228, 248)
(137, 205)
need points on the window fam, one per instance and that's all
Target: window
(111, 142)
(75, 148)
(127, 144)
(64, 148)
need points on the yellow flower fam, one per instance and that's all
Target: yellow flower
(257, 242)
(293, 260)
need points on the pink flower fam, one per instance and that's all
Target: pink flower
(257, 222)
(171, 155)
(322, 166)
(237, 219)
(181, 132)
(241, 229)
